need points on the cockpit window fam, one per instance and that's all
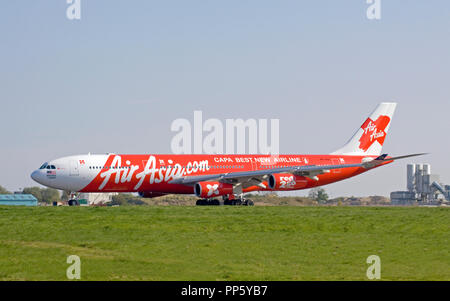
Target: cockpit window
(43, 165)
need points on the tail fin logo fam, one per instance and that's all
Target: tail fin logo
(373, 131)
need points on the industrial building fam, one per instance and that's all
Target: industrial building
(87, 199)
(18, 199)
(423, 188)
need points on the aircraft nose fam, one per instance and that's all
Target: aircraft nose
(35, 176)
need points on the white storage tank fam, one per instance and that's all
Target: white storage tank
(419, 173)
(426, 169)
(411, 177)
(426, 183)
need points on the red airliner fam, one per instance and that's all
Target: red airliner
(226, 176)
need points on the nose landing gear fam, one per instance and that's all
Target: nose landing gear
(73, 199)
(73, 203)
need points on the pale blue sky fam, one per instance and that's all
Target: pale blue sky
(116, 79)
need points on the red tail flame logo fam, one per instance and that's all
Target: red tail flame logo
(373, 131)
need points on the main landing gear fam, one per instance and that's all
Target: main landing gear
(227, 200)
(207, 202)
(239, 202)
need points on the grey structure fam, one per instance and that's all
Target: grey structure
(423, 188)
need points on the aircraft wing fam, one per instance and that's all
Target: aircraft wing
(257, 176)
(251, 178)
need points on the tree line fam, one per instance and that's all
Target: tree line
(43, 195)
(50, 195)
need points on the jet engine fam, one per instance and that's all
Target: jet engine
(207, 190)
(286, 181)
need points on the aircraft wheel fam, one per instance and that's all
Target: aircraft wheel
(200, 202)
(249, 203)
(73, 203)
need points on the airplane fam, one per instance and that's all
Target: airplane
(215, 176)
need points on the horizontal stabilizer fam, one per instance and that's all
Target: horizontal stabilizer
(385, 158)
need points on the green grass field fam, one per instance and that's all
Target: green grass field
(224, 243)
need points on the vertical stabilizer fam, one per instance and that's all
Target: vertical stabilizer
(370, 137)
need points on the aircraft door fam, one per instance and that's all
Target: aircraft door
(336, 162)
(254, 165)
(74, 168)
